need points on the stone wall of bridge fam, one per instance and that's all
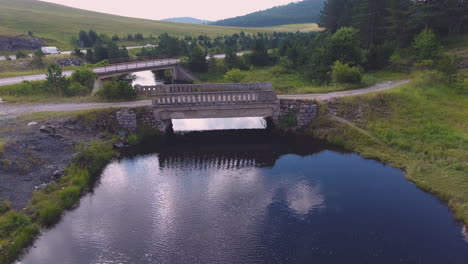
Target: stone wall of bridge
(304, 111)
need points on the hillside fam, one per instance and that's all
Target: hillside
(59, 23)
(187, 20)
(307, 11)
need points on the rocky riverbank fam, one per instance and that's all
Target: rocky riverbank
(36, 151)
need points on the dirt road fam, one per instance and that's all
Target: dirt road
(8, 111)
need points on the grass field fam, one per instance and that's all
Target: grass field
(420, 127)
(295, 83)
(60, 23)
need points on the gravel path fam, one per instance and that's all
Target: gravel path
(328, 96)
(12, 110)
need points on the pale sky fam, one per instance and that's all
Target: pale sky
(160, 9)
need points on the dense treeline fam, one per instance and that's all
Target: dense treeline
(370, 35)
(307, 11)
(398, 21)
(169, 46)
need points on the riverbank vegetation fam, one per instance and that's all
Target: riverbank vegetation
(420, 127)
(18, 228)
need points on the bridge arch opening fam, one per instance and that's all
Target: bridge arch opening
(205, 124)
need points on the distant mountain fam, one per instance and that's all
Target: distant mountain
(187, 20)
(306, 11)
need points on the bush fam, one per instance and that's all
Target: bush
(133, 139)
(284, 66)
(21, 54)
(400, 61)
(12, 221)
(5, 206)
(76, 89)
(197, 60)
(84, 76)
(117, 90)
(49, 213)
(343, 73)
(69, 196)
(448, 67)
(38, 59)
(345, 46)
(234, 76)
(55, 79)
(287, 121)
(94, 157)
(426, 46)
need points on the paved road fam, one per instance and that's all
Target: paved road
(13, 110)
(110, 68)
(13, 57)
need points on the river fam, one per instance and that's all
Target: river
(247, 196)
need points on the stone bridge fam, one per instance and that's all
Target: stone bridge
(196, 101)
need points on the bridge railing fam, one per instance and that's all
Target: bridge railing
(197, 88)
(214, 98)
(135, 65)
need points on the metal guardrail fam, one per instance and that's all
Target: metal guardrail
(122, 67)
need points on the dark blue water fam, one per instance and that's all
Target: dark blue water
(218, 198)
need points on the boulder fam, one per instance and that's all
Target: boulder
(47, 129)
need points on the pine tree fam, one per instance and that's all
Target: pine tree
(335, 14)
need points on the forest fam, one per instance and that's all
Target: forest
(307, 11)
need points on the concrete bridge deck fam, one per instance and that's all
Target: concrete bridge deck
(212, 100)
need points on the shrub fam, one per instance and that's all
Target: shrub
(448, 67)
(38, 59)
(78, 53)
(197, 60)
(69, 196)
(424, 65)
(426, 46)
(76, 89)
(343, 73)
(400, 61)
(21, 54)
(49, 213)
(345, 46)
(284, 66)
(5, 206)
(117, 90)
(133, 139)
(287, 121)
(11, 221)
(84, 76)
(78, 176)
(55, 79)
(234, 76)
(94, 157)
(244, 62)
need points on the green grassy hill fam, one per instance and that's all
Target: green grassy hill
(59, 23)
